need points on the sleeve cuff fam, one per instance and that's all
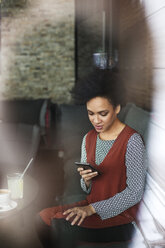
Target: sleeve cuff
(83, 186)
(96, 206)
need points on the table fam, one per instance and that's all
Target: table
(30, 193)
(13, 228)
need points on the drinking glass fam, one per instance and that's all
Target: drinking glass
(15, 185)
(100, 60)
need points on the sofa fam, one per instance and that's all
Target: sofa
(73, 124)
(21, 122)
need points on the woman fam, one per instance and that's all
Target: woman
(111, 205)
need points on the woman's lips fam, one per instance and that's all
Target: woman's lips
(98, 127)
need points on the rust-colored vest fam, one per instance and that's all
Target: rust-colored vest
(112, 179)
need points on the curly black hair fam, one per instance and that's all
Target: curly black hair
(103, 83)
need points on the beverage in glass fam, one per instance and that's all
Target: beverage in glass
(15, 185)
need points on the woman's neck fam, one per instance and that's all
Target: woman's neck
(113, 132)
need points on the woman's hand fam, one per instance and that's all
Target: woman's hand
(80, 213)
(87, 175)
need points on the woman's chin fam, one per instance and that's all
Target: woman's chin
(98, 130)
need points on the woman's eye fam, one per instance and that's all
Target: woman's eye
(89, 113)
(103, 113)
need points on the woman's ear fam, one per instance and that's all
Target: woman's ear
(118, 108)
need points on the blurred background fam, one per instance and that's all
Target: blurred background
(47, 46)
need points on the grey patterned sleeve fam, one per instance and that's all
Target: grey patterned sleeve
(83, 150)
(84, 159)
(136, 173)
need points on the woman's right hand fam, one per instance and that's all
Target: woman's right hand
(87, 175)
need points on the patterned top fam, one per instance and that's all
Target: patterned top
(136, 172)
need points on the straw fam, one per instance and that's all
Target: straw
(26, 168)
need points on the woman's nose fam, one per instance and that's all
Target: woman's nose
(96, 119)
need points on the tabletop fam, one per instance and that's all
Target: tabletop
(29, 195)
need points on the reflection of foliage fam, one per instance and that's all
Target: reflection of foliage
(43, 63)
(10, 7)
(14, 3)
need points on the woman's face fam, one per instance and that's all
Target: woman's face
(102, 113)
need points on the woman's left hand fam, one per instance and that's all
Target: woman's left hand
(80, 213)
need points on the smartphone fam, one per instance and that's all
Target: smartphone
(86, 166)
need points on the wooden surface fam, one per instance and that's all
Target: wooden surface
(141, 48)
